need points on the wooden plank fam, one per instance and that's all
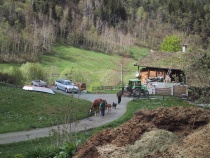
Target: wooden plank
(163, 91)
(179, 90)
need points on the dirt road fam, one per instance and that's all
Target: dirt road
(87, 123)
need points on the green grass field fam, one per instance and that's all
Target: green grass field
(44, 147)
(88, 66)
(93, 68)
(25, 110)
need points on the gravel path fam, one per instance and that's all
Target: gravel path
(84, 124)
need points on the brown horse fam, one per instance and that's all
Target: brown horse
(95, 106)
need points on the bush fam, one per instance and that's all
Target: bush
(200, 95)
(32, 71)
(7, 78)
(17, 75)
(93, 85)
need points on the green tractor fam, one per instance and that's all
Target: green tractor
(136, 88)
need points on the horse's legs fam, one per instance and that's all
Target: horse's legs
(96, 111)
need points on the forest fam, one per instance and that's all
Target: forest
(29, 28)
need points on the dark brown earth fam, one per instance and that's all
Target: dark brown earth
(190, 125)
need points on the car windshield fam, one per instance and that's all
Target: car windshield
(69, 83)
(138, 83)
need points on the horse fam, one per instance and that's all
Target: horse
(95, 106)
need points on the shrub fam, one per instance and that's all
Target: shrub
(7, 78)
(19, 156)
(32, 71)
(199, 94)
(93, 85)
(17, 75)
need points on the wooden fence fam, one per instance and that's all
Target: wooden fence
(174, 91)
(105, 88)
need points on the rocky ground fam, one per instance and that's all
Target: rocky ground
(164, 132)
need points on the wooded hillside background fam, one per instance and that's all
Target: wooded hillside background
(29, 28)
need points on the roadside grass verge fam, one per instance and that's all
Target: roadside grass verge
(24, 110)
(44, 146)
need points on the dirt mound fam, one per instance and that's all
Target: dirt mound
(196, 144)
(186, 123)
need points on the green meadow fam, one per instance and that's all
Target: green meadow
(25, 110)
(93, 68)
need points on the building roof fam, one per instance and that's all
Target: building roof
(163, 60)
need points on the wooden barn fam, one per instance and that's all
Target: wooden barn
(161, 66)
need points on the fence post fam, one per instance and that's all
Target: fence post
(172, 90)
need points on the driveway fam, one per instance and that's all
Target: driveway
(84, 124)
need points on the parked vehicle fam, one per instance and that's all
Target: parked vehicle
(136, 88)
(39, 83)
(66, 85)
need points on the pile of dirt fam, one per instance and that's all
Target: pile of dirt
(185, 130)
(196, 144)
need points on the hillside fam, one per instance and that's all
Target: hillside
(79, 65)
(90, 66)
(31, 28)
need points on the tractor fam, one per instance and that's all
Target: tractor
(136, 88)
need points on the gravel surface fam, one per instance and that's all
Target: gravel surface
(84, 124)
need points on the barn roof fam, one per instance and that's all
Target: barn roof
(163, 60)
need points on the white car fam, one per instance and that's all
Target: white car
(66, 85)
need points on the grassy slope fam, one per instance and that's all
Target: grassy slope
(93, 66)
(24, 110)
(88, 66)
(139, 53)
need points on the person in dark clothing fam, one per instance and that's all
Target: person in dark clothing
(119, 95)
(103, 107)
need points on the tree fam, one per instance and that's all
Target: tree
(171, 44)
(198, 75)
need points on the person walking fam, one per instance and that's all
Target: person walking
(119, 95)
(102, 107)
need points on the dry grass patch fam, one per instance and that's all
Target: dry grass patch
(151, 142)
